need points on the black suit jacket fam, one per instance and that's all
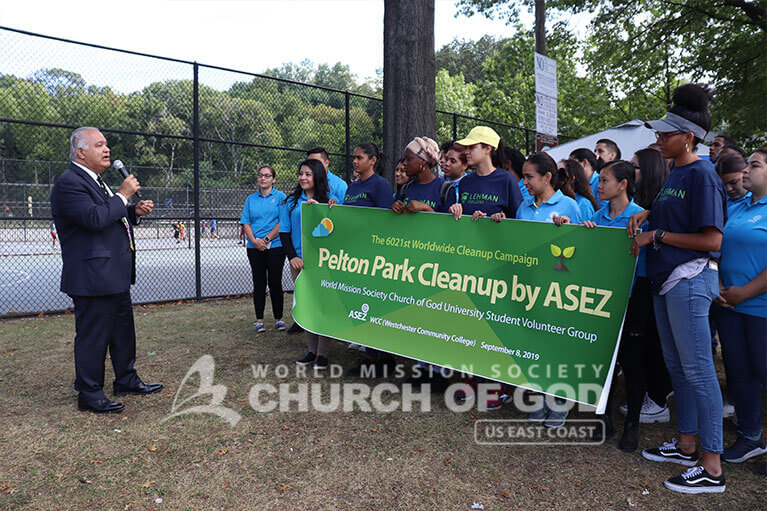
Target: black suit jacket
(95, 248)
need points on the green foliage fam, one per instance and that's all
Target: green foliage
(638, 51)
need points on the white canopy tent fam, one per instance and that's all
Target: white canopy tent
(630, 137)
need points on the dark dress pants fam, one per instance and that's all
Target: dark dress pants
(101, 323)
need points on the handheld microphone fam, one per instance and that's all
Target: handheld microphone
(120, 167)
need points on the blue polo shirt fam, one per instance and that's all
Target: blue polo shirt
(602, 218)
(493, 193)
(594, 184)
(557, 205)
(374, 192)
(731, 203)
(744, 252)
(262, 214)
(337, 188)
(427, 193)
(692, 197)
(290, 220)
(585, 205)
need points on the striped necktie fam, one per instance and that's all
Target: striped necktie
(123, 219)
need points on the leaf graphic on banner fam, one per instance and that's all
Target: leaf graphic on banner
(568, 252)
(556, 251)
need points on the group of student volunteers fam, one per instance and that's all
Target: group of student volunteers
(699, 233)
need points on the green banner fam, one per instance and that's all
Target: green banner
(526, 303)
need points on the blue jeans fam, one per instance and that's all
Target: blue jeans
(744, 351)
(685, 336)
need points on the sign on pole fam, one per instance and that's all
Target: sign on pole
(546, 93)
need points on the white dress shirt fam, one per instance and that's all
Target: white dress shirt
(96, 179)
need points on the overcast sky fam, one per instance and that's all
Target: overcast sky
(249, 35)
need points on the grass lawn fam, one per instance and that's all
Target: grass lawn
(54, 457)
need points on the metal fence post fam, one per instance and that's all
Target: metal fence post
(455, 126)
(348, 143)
(196, 148)
(527, 142)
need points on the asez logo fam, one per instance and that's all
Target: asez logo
(361, 314)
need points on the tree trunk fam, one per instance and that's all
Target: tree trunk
(409, 101)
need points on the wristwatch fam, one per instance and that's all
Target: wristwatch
(266, 239)
(657, 237)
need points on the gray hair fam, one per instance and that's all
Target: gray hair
(78, 141)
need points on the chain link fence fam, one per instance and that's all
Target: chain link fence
(193, 134)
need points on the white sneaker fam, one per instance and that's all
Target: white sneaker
(728, 410)
(651, 411)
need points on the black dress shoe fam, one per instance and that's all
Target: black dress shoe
(139, 390)
(99, 406)
(630, 438)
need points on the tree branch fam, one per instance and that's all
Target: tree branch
(757, 21)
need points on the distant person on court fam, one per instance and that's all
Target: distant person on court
(337, 185)
(52, 228)
(213, 228)
(99, 265)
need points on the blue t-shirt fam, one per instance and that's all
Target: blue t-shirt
(262, 214)
(594, 184)
(731, 203)
(744, 252)
(374, 192)
(585, 205)
(428, 193)
(557, 205)
(602, 218)
(290, 220)
(493, 193)
(337, 188)
(691, 198)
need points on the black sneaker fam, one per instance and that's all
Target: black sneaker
(670, 452)
(295, 329)
(306, 359)
(696, 480)
(744, 449)
(321, 362)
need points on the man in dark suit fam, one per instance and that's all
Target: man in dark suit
(95, 227)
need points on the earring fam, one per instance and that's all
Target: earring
(686, 147)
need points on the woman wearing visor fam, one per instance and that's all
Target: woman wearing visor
(686, 222)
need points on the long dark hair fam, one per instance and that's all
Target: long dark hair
(653, 168)
(543, 163)
(497, 155)
(580, 184)
(730, 164)
(514, 161)
(371, 150)
(583, 154)
(623, 170)
(321, 188)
